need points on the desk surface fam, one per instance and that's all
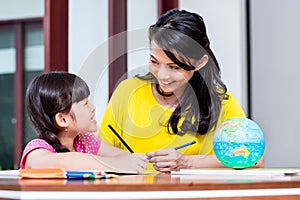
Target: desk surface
(153, 186)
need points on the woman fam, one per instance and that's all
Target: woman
(181, 99)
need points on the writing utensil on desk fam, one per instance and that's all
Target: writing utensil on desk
(121, 139)
(78, 174)
(185, 145)
(87, 174)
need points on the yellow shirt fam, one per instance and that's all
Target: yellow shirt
(140, 120)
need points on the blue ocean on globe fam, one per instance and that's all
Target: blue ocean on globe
(239, 143)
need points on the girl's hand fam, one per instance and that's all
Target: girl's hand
(166, 160)
(135, 163)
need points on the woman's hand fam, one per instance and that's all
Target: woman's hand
(166, 160)
(260, 163)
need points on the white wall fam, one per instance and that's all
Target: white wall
(275, 78)
(141, 14)
(88, 57)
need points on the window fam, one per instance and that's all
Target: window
(21, 58)
(7, 70)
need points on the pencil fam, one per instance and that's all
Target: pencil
(185, 145)
(121, 139)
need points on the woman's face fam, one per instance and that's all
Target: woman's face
(84, 112)
(170, 77)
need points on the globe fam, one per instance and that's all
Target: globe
(239, 143)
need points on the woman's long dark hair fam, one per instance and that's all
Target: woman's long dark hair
(182, 36)
(48, 94)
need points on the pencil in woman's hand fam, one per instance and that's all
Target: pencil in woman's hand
(185, 145)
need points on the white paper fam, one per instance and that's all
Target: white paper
(243, 172)
(12, 174)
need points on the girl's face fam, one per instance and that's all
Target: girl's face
(170, 77)
(84, 113)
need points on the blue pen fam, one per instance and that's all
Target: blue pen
(185, 145)
(181, 146)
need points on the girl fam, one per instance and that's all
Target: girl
(60, 111)
(181, 99)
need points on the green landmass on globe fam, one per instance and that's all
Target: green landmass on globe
(239, 143)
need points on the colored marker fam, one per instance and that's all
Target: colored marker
(87, 175)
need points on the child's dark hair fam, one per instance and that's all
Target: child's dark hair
(182, 36)
(48, 94)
